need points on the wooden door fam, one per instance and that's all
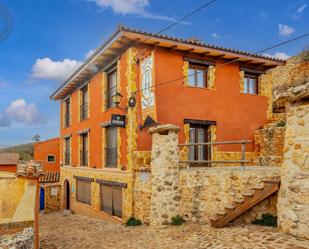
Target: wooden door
(117, 202)
(107, 199)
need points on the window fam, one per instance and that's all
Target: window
(111, 200)
(199, 134)
(83, 191)
(111, 87)
(251, 83)
(51, 158)
(84, 103)
(197, 75)
(67, 115)
(111, 147)
(84, 149)
(67, 152)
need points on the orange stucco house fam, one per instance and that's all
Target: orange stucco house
(136, 80)
(9, 162)
(48, 153)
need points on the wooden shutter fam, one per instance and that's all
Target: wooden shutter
(83, 192)
(117, 202)
(107, 199)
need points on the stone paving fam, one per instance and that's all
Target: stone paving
(74, 231)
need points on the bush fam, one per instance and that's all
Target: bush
(132, 222)
(266, 220)
(281, 123)
(177, 220)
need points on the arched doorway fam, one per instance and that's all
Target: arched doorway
(66, 194)
(42, 198)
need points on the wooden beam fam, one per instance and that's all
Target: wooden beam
(156, 44)
(173, 48)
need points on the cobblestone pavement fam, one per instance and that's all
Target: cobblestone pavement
(75, 231)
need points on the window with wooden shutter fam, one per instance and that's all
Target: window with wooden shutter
(111, 147)
(83, 191)
(111, 200)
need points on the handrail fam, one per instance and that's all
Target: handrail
(243, 152)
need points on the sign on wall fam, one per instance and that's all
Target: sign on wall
(118, 120)
(148, 94)
(54, 191)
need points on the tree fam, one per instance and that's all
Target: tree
(36, 138)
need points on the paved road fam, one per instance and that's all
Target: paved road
(73, 231)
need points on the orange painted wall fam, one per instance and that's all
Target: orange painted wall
(8, 168)
(49, 147)
(237, 115)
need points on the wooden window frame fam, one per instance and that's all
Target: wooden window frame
(195, 67)
(67, 113)
(67, 153)
(79, 197)
(247, 84)
(84, 160)
(108, 150)
(84, 108)
(51, 155)
(109, 90)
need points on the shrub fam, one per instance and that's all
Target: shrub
(132, 222)
(281, 123)
(177, 220)
(266, 220)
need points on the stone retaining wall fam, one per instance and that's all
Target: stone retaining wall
(206, 191)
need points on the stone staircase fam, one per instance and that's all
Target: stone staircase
(249, 198)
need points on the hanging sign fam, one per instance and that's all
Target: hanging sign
(148, 94)
(118, 120)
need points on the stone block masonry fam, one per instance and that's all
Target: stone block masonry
(165, 193)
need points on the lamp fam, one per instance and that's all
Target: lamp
(117, 98)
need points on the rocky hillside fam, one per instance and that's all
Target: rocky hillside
(25, 151)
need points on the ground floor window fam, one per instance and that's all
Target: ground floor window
(111, 200)
(83, 191)
(199, 134)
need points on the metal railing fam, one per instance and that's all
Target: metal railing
(198, 146)
(84, 111)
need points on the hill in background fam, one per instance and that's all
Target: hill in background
(25, 151)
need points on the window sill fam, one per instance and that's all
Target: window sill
(83, 120)
(252, 94)
(199, 87)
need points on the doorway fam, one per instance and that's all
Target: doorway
(66, 195)
(42, 198)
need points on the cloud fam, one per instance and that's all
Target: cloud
(302, 8)
(21, 112)
(263, 14)
(48, 69)
(89, 53)
(285, 30)
(137, 7)
(215, 35)
(279, 55)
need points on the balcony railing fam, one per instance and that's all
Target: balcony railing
(196, 150)
(83, 111)
(111, 157)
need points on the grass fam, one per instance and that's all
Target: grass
(25, 151)
(266, 220)
(177, 220)
(132, 222)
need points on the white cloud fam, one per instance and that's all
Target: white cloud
(89, 53)
(285, 30)
(302, 8)
(132, 7)
(48, 69)
(215, 35)
(279, 55)
(21, 112)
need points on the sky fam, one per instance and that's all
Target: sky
(49, 39)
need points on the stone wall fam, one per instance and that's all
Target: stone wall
(206, 191)
(165, 194)
(293, 200)
(269, 146)
(23, 239)
(52, 197)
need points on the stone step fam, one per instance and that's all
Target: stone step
(230, 207)
(239, 200)
(248, 193)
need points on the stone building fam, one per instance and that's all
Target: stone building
(136, 80)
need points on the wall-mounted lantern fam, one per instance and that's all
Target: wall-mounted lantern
(117, 98)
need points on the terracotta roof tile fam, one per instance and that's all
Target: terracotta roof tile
(50, 176)
(9, 158)
(30, 169)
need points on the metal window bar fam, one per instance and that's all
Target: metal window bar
(208, 145)
(84, 111)
(111, 157)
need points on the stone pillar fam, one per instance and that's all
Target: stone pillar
(293, 198)
(165, 193)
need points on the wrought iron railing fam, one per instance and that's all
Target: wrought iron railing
(84, 111)
(111, 157)
(198, 158)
